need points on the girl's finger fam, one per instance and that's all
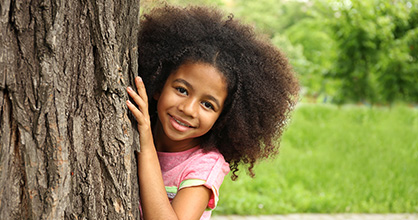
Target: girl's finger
(141, 91)
(139, 116)
(141, 88)
(142, 104)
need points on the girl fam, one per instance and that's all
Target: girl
(217, 96)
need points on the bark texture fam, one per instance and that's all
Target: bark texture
(66, 142)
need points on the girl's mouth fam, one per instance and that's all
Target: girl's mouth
(180, 125)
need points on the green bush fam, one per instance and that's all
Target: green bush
(377, 51)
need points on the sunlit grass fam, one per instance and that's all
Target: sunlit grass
(333, 160)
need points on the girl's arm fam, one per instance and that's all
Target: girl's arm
(189, 203)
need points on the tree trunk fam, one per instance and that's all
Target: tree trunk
(67, 145)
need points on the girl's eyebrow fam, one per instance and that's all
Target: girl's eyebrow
(188, 85)
(184, 82)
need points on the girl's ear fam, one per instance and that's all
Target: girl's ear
(156, 96)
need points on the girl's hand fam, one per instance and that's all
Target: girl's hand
(141, 112)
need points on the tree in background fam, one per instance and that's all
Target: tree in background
(377, 50)
(66, 140)
(399, 77)
(314, 35)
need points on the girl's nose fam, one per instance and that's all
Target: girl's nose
(189, 107)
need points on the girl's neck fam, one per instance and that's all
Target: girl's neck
(165, 144)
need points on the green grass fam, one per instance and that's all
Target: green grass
(335, 160)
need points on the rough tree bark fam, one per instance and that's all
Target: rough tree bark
(67, 146)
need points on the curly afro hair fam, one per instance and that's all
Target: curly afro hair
(262, 88)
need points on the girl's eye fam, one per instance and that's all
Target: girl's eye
(208, 105)
(182, 90)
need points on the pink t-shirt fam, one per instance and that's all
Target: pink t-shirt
(194, 167)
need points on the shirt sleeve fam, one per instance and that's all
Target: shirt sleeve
(208, 170)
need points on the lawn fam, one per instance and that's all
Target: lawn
(335, 160)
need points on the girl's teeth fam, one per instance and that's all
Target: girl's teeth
(181, 123)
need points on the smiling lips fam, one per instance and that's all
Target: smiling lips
(179, 125)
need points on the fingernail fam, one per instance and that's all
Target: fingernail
(128, 102)
(130, 89)
(139, 79)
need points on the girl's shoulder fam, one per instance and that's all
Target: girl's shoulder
(208, 160)
(208, 155)
(207, 165)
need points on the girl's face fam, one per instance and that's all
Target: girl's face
(190, 103)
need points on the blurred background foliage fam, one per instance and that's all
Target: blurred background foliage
(344, 51)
